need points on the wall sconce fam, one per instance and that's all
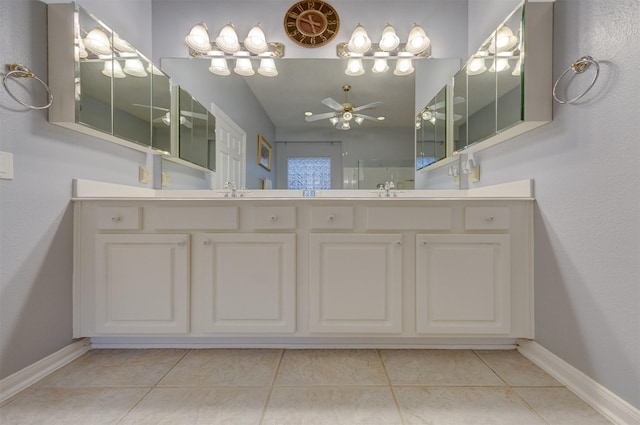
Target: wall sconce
(471, 169)
(454, 172)
(360, 47)
(227, 46)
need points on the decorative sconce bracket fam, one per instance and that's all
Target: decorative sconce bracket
(275, 50)
(342, 50)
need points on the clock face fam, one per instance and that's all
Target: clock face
(311, 23)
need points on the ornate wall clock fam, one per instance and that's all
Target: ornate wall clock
(311, 23)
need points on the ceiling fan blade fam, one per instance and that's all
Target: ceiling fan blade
(441, 116)
(150, 107)
(367, 106)
(317, 117)
(193, 114)
(186, 123)
(333, 104)
(366, 117)
(440, 105)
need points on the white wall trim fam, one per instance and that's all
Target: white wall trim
(13, 384)
(600, 398)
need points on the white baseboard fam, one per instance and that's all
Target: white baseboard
(611, 406)
(13, 384)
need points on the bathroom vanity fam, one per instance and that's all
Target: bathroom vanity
(341, 268)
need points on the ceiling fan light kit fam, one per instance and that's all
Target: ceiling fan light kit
(344, 113)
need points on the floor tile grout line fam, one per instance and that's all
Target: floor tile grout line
(172, 367)
(271, 387)
(511, 388)
(149, 389)
(393, 393)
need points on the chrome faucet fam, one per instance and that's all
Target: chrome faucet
(231, 190)
(386, 190)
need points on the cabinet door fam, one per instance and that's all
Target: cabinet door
(463, 284)
(249, 283)
(142, 284)
(355, 283)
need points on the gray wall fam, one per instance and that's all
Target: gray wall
(585, 166)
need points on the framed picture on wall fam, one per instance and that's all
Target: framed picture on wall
(264, 152)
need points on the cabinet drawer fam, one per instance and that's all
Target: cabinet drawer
(332, 218)
(409, 218)
(269, 218)
(487, 218)
(118, 218)
(182, 218)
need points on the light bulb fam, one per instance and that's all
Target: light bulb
(256, 41)
(404, 66)
(334, 120)
(389, 40)
(476, 66)
(97, 42)
(354, 67)
(267, 67)
(243, 65)
(360, 41)
(359, 120)
(346, 125)
(380, 62)
(219, 67)
(113, 69)
(418, 41)
(198, 38)
(134, 67)
(227, 41)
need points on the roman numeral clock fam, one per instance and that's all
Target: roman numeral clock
(311, 23)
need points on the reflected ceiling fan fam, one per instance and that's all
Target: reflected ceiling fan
(166, 118)
(344, 113)
(431, 113)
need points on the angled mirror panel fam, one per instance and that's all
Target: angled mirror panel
(508, 71)
(161, 111)
(460, 110)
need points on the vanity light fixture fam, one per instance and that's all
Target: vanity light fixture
(504, 40)
(113, 69)
(227, 46)
(97, 42)
(476, 66)
(500, 65)
(134, 68)
(360, 47)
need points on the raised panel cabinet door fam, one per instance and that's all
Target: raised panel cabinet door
(463, 284)
(248, 283)
(142, 284)
(355, 283)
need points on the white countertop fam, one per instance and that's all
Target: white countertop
(90, 189)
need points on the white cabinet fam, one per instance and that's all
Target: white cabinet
(463, 284)
(141, 284)
(248, 282)
(355, 283)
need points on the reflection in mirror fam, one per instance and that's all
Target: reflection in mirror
(481, 93)
(431, 124)
(118, 90)
(195, 141)
(459, 90)
(509, 71)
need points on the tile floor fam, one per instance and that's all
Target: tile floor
(315, 387)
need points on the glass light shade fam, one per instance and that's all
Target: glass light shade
(360, 41)
(82, 50)
(389, 40)
(418, 123)
(256, 41)
(476, 66)
(404, 66)
(227, 41)
(517, 67)
(122, 45)
(334, 120)
(219, 67)
(166, 118)
(500, 65)
(97, 42)
(505, 40)
(346, 125)
(380, 65)
(358, 120)
(113, 69)
(354, 67)
(198, 38)
(243, 65)
(347, 116)
(418, 41)
(134, 67)
(267, 67)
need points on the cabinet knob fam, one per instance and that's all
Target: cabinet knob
(331, 217)
(490, 219)
(116, 218)
(399, 243)
(207, 242)
(181, 243)
(273, 218)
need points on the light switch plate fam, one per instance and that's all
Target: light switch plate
(165, 179)
(6, 165)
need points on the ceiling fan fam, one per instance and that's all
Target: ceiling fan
(166, 118)
(431, 112)
(345, 112)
